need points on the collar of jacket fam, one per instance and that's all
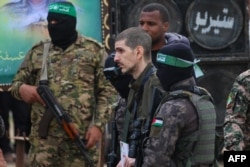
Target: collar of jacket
(136, 84)
(186, 82)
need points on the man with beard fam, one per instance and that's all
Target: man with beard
(133, 56)
(154, 20)
(183, 120)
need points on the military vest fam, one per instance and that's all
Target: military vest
(197, 148)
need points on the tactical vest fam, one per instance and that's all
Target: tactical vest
(197, 148)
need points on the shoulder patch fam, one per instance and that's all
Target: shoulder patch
(158, 122)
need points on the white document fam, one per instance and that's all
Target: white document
(124, 151)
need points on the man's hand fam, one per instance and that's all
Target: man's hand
(29, 94)
(93, 136)
(128, 162)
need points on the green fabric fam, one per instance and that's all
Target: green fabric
(181, 63)
(126, 126)
(61, 8)
(173, 61)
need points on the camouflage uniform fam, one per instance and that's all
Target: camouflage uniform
(77, 81)
(237, 117)
(179, 119)
(119, 116)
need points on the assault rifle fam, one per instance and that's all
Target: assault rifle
(112, 156)
(156, 99)
(63, 119)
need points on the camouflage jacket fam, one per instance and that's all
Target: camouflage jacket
(237, 117)
(77, 81)
(174, 120)
(119, 115)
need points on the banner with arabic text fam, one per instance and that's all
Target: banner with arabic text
(23, 24)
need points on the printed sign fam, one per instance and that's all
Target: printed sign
(214, 24)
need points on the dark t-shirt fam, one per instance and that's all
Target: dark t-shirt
(154, 55)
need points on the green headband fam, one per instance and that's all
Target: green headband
(181, 63)
(63, 8)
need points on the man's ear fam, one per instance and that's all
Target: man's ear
(139, 52)
(166, 25)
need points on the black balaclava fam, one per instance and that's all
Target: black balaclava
(117, 79)
(64, 33)
(170, 69)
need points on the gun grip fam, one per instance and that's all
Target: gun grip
(44, 124)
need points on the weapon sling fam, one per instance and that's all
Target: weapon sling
(47, 116)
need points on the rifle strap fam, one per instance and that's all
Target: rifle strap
(126, 125)
(44, 74)
(47, 116)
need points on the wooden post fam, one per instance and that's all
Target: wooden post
(20, 150)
